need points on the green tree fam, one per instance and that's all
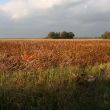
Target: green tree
(63, 35)
(70, 35)
(106, 35)
(52, 35)
(67, 35)
(57, 35)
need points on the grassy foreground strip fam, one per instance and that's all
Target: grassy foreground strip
(56, 89)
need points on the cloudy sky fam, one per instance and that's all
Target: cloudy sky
(31, 18)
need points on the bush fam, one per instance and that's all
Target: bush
(106, 35)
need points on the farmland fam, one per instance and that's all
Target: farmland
(43, 54)
(54, 74)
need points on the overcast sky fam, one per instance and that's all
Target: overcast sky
(31, 18)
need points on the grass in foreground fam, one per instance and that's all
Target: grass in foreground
(56, 89)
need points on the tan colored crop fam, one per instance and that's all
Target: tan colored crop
(52, 53)
(28, 57)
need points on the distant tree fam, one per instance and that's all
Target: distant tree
(52, 35)
(67, 35)
(106, 35)
(57, 35)
(71, 35)
(61, 35)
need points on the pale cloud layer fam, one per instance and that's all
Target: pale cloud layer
(21, 8)
(38, 17)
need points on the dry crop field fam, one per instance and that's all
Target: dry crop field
(54, 74)
(43, 54)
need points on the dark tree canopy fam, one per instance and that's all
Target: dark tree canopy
(52, 35)
(61, 35)
(106, 35)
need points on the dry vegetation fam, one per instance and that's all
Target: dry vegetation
(54, 74)
(41, 54)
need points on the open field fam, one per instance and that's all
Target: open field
(41, 54)
(54, 74)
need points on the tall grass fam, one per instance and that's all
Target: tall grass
(56, 89)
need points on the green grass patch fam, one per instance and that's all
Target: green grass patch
(56, 89)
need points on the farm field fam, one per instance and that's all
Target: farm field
(54, 74)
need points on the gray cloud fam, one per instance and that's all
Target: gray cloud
(83, 17)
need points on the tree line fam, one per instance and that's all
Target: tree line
(106, 35)
(61, 35)
(71, 35)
